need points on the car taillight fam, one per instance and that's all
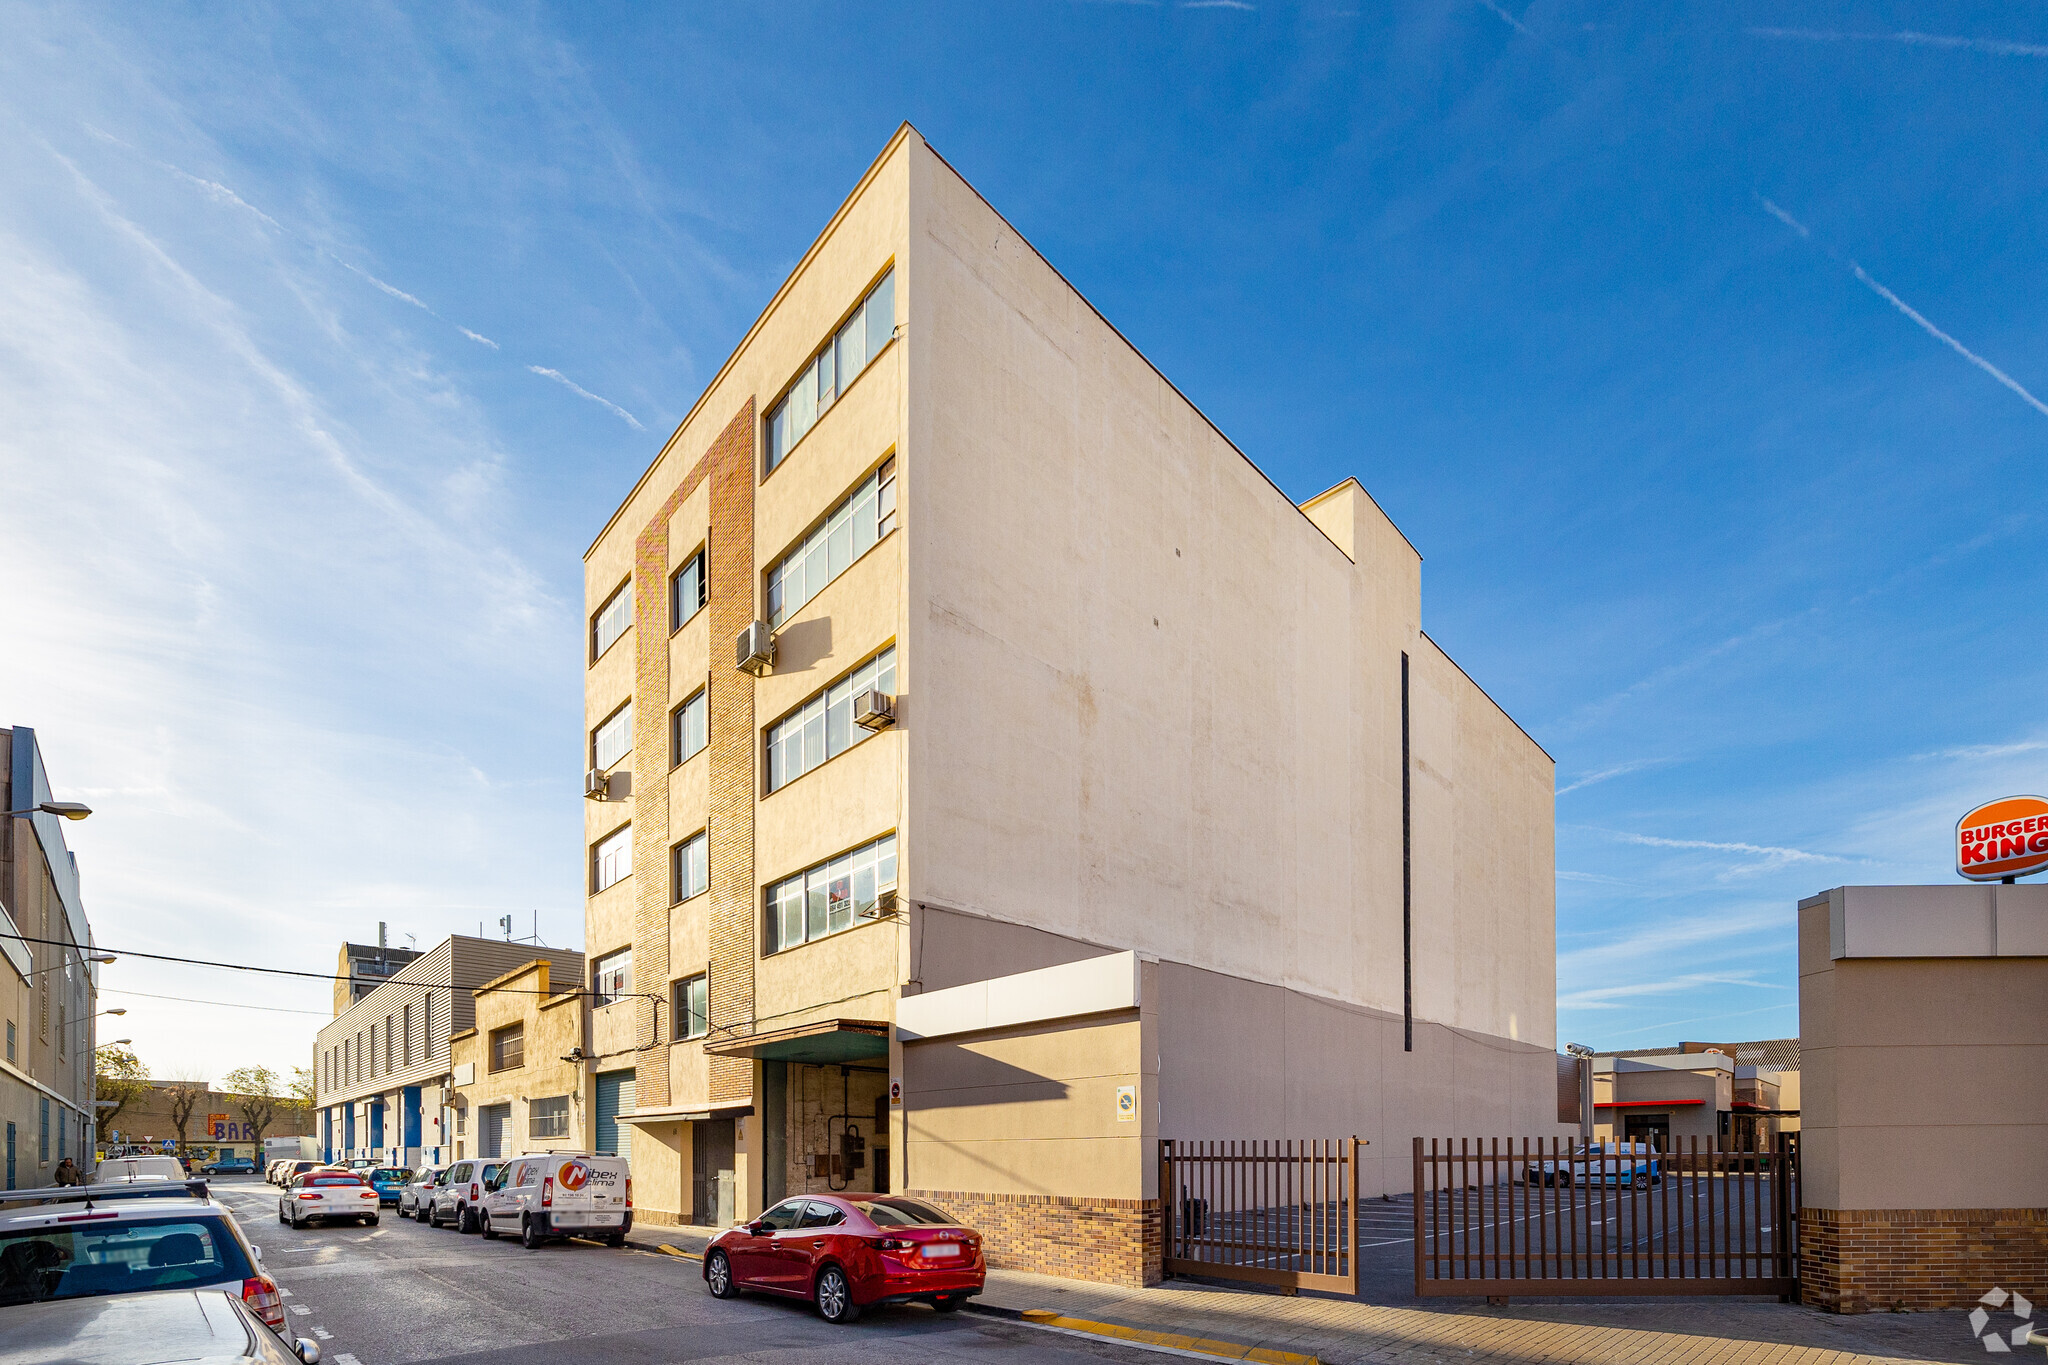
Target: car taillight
(629, 1191)
(309, 1194)
(260, 1293)
(890, 1244)
(547, 1192)
(366, 1194)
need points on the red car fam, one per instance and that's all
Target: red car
(846, 1252)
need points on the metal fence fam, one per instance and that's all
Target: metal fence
(1274, 1213)
(1535, 1216)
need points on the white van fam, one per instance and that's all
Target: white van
(560, 1194)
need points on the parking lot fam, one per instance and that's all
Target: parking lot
(399, 1292)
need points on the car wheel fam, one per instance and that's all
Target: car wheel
(835, 1297)
(371, 1221)
(949, 1303)
(617, 1239)
(483, 1225)
(718, 1277)
(465, 1219)
(529, 1234)
(280, 1211)
(423, 1213)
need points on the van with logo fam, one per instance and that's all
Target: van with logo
(560, 1194)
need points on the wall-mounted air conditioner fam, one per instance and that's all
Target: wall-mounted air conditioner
(596, 786)
(884, 904)
(874, 710)
(756, 649)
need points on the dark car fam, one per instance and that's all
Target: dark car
(120, 1329)
(230, 1165)
(847, 1252)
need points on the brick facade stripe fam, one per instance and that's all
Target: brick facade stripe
(1872, 1260)
(1109, 1241)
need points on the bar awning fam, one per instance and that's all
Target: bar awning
(824, 1042)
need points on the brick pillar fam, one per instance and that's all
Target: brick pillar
(729, 568)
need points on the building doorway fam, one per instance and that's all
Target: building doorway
(713, 1147)
(614, 1097)
(1655, 1129)
(495, 1134)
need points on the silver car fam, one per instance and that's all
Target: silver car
(327, 1195)
(202, 1324)
(413, 1199)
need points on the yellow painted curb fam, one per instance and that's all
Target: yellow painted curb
(665, 1248)
(1229, 1350)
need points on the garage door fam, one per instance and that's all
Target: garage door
(497, 1130)
(614, 1097)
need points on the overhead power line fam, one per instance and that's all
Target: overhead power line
(225, 1004)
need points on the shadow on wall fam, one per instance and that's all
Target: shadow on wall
(976, 1080)
(802, 644)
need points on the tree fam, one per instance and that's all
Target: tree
(302, 1092)
(183, 1096)
(122, 1079)
(259, 1096)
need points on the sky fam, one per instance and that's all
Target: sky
(1698, 349)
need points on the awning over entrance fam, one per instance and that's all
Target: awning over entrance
(687, 1115)
(826, 1042)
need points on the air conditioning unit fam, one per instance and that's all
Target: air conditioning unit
(596, 786)
(756, 649)
(884, 904)
(874, 710)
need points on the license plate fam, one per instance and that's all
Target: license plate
(936, 1250)
(604, 1218)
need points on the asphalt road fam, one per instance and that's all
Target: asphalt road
(400, 1293)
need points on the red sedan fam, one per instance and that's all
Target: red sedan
(847, 1251)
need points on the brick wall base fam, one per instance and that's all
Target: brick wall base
(1109, 1241)
(1870, 1260)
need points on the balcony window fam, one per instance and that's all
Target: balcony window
(831, 897)
(832, 368)
(863, 517)
(823, 727)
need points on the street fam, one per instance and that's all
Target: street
(400, 1292)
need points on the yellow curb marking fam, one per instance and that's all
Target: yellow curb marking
(668, 1250)
(1229, 1350)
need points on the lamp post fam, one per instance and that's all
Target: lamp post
(1584, 1055)
(70, 810)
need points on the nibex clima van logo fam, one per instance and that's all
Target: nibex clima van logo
(1996, 1339)
(2003, 838)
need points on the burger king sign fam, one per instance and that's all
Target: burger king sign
(2003, 839)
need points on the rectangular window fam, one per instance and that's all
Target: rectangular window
(388, 1050)
(612, 978)
(406, 1046)
(10, 1040)
(832, 368)
(612, 740)
(823, 727)
(691, 868)
(373, 1050)
(693, 1006)
(508, 1047)
(830, 897)
(548, 1118)
(612, 859)
(611, 621)
(43, 1142)
(687, 591)
(427, 1029)
(688, 728)
(865, 515)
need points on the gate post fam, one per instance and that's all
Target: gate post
(1166, 1209)
(1356, 1147)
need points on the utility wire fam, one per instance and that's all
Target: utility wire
(225, 1004)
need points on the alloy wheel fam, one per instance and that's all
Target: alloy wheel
(835, 1298)
(718, 1275)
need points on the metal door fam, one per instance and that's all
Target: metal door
(712, 1147)
(496, 1132)
(614, 1097)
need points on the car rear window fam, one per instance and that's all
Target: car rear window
(118, 1258)
(332, 1180)
(904, 1213)
(390, 1173)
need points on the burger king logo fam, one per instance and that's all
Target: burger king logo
(2003, 838)
(573, 1175)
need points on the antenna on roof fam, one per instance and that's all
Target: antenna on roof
(505, 923)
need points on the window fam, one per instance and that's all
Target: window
(128, 1255)
(373, 1050)
(612, 859)
(866, 515)
(407, 1045)
(611, 620)
(427, 1030)
(612, 740)
(687, 591)
(691, 873)
(686, 726)
(10, 1040)
(508, 1047)
(831, 896)
(387, 1045)
(613, 977)
(547, 1118)
(823, 727)
(693, 1006)
(859, 340)
(43, 1142)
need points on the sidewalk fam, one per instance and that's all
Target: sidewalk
(1338, 1331)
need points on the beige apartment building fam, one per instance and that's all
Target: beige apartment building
(993, 773)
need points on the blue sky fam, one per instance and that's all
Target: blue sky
(1698, 351)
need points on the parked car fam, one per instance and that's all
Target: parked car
(288, 1171)
(229, 1165)
(143, 1236)
(327, 1195)
(270, 1171)
(389, 1182)
(127, 1169)
(412, 1200)
(848, 1252)
(460, 1194)
(200, 1324)
(559, 1194)
(1600, 1163)
(361, 1163)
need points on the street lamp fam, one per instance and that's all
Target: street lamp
(118, 1042)
(70, 810)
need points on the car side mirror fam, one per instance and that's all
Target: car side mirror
(755, 1229)
(307, 1350)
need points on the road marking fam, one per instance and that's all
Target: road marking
(301, 1310)
(1168, 1343)
(284, 1293)
(346, 1359)
(323, 1334)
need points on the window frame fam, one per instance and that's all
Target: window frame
(598, 615)
(774, 575)
(823, 695)
(596, 730)
(679, 1011)
(677, 619)
(495, 1046)
(677, 895)
(600, 997)
(676, 757)
(558, 1117)
(770, 904)
(770, 462)
(597, 858)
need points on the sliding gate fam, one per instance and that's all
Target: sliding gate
(1500, 1217)
(1272, 1213)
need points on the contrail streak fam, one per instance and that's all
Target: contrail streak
(580, 391)
(1996, 47)
(1513, 22)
